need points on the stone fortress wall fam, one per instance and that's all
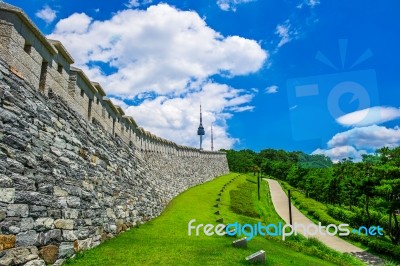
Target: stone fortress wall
(74, 169)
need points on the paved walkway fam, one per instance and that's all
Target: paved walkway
(280, 201)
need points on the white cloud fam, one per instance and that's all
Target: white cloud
(165, 57)
(160, 49)
(309, 3)
(271, 89)
(137, 3)
(312, 3)
(342, 152)
(76, 25)
(371, 137)
(361, 140)
(47, 14)
(370, 116)
(293, 107)
(231, 5)
(286, 33)
(132, 3)
(177, 118)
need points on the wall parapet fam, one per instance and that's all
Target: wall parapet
(46, 64)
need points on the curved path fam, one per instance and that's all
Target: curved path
(280, 201)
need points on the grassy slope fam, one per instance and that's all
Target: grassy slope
(164, 240)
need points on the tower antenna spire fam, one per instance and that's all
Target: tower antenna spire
(200, 130)
(212, 139)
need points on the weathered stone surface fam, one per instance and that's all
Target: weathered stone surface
(81, 245)
(19, 255)
(70, 213)
(28, 238)
(44, 224)
(49, 237)
(64, 224)
(66, 249)
(7, 195)
(59, 192)
(18, 210)
(49, 253)
(5, 181)
(3, 215)
(7, 241)
(35, 198)
(69, 235)
(27, 224)
(73, 202)
(37, 262)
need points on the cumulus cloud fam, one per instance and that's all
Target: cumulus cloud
(343, 152)
(177, 118)
(271, 89)
(231, 5)
(160, 49)
(76, 24)
(361, 140)
(161, 59)
(369, 116)
(47, 14)
(371, 137)
(286, 33)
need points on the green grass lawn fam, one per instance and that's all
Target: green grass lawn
(165, 240)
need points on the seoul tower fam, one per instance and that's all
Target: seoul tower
(212, 139)
(200, 130)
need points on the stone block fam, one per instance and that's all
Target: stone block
(57, 191)
(7, 242)
(6, 182)
(258, 257)
(18, 210)
(17, 256)
(44, 224)
(66, 249)
(49, 237)
(27, 224)
(3, 215)
(81, 245)
(73, 202)
(49, 253)
(64, 224)
(7, 195)
(240, 243)
(69, 235)
(70, 213)
(37, 262)
(28, 238)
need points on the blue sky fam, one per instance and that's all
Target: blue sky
(313, 75)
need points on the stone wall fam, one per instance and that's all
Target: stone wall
(67, 184)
